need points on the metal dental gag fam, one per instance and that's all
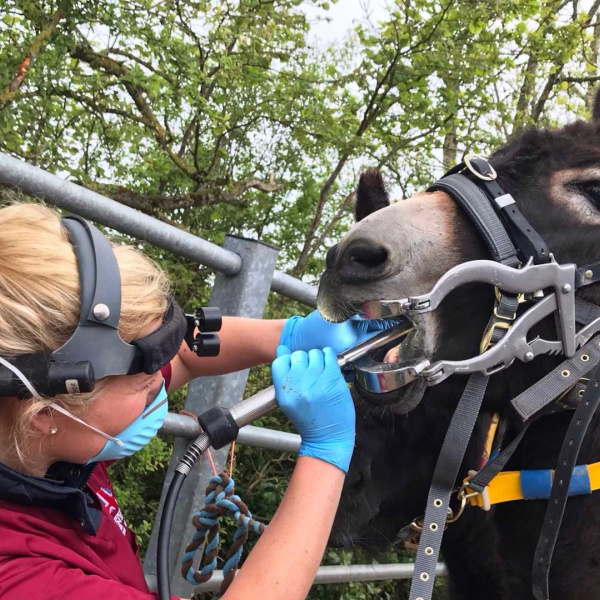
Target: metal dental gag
(551, 289)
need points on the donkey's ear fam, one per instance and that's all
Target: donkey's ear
(596, 109)
(371, 194)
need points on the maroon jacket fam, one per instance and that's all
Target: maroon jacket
(63, 537)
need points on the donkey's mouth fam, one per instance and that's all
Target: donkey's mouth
(335, 306)
(410, 351)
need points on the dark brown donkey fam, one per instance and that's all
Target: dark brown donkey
(399, 250)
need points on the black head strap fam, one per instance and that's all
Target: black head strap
(509, 237)
(97, 337)
(160, 346)
(481, 213)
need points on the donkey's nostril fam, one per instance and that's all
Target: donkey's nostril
(367, 256)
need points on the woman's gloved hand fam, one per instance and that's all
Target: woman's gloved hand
(314, 396)
(313, 331)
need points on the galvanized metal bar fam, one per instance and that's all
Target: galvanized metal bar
(335, 574)
(35, 182)
(41, 184)
(257, 437)
(243, 295)
(289, 286)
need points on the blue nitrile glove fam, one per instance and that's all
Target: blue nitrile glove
(314, 396)
(313, 331)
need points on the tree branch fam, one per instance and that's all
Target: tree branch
(210, 193)
(144, 63)
(137, 93)
(98, 109)
(592, 12)
(543, 98)
(341, 211)
(40, 41)
(525, 94)
(590, 79)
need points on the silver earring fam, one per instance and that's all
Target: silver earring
(53, 430)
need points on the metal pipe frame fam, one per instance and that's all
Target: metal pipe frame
(35, 182)
(257, 437)
(342, 574)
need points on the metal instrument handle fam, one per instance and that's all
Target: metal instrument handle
(512, 346)
(265, 402)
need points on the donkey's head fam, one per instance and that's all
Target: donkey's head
(400, 250)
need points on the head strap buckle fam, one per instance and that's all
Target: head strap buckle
(480, 167)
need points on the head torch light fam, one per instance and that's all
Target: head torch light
(96, 350)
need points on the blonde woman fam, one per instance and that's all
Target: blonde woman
(62, 535)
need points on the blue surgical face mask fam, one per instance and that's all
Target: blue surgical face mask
(138, 434)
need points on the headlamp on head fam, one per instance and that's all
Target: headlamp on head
(95, 349)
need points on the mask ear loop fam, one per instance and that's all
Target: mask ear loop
(55, 406)
(65, 412)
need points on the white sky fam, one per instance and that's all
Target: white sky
(334, 24)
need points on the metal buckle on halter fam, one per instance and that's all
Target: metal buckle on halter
(486, 340)
(503, 322)
(563, 402)
(498, 294)
(463, 495)
(491, 174)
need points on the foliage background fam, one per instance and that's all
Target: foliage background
(227, 116)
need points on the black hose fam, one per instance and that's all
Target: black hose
(164, 534)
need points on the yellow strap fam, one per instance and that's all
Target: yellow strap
(594, 474)
(489, 442)
(506, 487)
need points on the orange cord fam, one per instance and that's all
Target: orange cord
(231, 458)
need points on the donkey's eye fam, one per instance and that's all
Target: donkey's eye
(591, 190)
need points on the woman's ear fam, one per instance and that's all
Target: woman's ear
(43, 422)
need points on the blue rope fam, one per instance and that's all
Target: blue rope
(220, 501)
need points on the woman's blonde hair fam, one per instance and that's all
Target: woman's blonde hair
(40, 301)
